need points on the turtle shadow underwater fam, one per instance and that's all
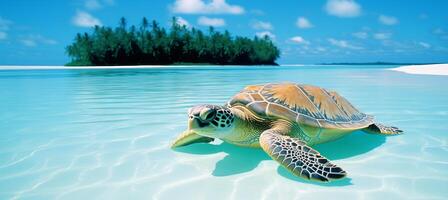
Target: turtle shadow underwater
(242, 159)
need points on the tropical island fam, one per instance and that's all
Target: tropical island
(151, 44)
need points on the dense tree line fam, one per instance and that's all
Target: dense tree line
(151, 44)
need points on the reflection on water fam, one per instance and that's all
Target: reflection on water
(354, 144)
(241, 159)
(237, 159)
(74, 134)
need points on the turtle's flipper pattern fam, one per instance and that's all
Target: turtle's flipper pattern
(189, 137)
(299, 158)
(381, 129)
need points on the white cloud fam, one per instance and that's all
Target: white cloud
(28, 42)
(4, 27)
(403, 47)
(92, 4)
(84, 19)
(206, 21)
(257, 12)
(260, 25)
(342, 44)
(397, 46)
(382, 36)
(438, 31)
(441, 33)
(4, 24)
(97, 4)
(181, 21)
(303, 22)
(321, 49)
(265, 33)
(387, 20)
(34, 40)
(299, 40)
(424, 45)
(361, 35)
(343, 8)
(201, 7)
(3, 35)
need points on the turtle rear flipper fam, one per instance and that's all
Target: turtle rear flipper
(298, 158)
(381, 129)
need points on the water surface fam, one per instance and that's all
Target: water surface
(105, 134)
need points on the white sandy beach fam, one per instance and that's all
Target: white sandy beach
(434, 69)
(19, 67)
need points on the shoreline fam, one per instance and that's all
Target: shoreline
(100, 67)
(429, 69)
(62, 67)
(49, 67)
(432, 69)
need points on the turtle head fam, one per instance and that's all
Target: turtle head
(211, 120)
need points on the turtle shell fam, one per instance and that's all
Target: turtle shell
(304, 104)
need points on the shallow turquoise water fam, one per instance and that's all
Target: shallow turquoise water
(104, 134)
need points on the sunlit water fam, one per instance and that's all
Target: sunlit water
(105, 134)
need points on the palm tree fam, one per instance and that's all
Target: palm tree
(139, 45)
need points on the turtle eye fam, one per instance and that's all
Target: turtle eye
(210, 115)
(207, 115)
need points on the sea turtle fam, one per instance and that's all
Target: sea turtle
(285, 120)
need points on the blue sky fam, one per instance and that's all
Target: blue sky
(306, 31)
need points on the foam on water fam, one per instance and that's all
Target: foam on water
(105, 134)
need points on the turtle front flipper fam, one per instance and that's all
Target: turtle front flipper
(381, 129)
(190, 137)
(298, 158)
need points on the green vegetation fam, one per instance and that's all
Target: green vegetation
(151, 44)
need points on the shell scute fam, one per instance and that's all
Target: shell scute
(257, 97)
(290, 96)
(258, 108)
(240, 99)
(252, 88)
(304, 104)
(275, 110)
(346, 107)
(328, 108)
